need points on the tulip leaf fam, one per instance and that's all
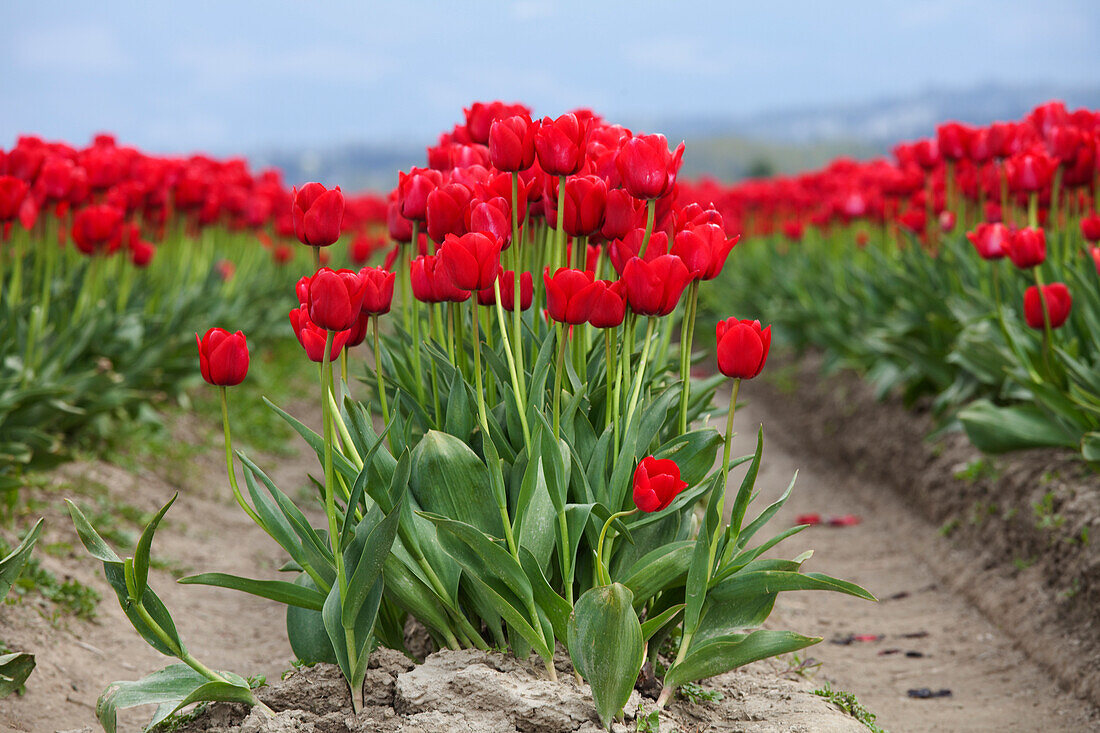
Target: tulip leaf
(729, 652)
(765, 516)
(449, 479)
(165, 687)
(12, 565)
(481, 555)
(652, 625)
(659, 569)
(144, 546)
(555, 607)
(15, 668)
(459, 419)
(994, 429)
(744, 493)
(694, 452)
(368, 567)
(305, 630)
(607, 647)
(279, 591)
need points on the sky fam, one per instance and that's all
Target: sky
(230, 76)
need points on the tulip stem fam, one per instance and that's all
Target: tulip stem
(557, 380)
(563, 244)
(1047, 329)
(381, 385)
(687, 333)
(601, 568)
(650, 219)
(482, 416)
(517, 386)
(229, 461)
(409, 308)
(640, 374)
(517, 291)
(431, 363)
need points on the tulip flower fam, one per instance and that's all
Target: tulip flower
(623, 214)
(559, 144)
(492, 217)
(432, 284)
(704, 249)
(487, 296)
(446, 211)
(742, 347)
(379, 290)
(608, 305)
(570, 295)
(1058, 303)
(1090, 227)
(471, 260)
(223, 357)
(12, 193)
(1030, 171)
(98, 229)
(656, 483)
(621, 251)
(318, 214)
(335, 298)
(647, 167)
(990, 240)
(1027, 248)
(413, 189)
(1094, 252)
(512, 143)
(653, 288)
(312, 337)
(585, 201)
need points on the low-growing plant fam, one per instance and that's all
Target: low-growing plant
(848, 702)
(16, 667)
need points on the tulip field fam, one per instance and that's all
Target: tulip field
(515, 359)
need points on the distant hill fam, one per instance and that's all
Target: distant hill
(786, 140)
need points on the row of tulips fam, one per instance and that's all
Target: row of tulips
(964, 270)
(523, 462)
(108, 258)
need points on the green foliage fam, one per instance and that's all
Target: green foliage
(66, 597)
(847, 702)
(696, 693)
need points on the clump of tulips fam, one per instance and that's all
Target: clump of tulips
(523, 463)
(964, 269)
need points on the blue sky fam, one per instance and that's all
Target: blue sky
(239, 75)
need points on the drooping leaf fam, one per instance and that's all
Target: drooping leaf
(606, 645)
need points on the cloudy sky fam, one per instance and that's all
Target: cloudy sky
(240, 75)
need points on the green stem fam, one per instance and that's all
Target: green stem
(381, 385)
(640, 374)
(729, 430)
(517, 291)
(563, 239)
(557, 380)
(229, 461)
(482, 416)
(517, 386)
(650, 219)
(687, 333)
(601, 567)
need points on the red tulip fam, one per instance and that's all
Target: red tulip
(608, 306)
(990, 240)
(318, 214)
(379, 290)
(1030, 171)
(492, 217)
(559, 144)
(312, 337)
(704, 249)
(335, 298)
(55, 178)
(1027, 248)
(1095, 253)
(507, 279)
(742, 347)
(282, 254)
(512, 143)
(653, 288)
(471, 260)
(570, 295)
(1058, 304)
(446, 211)
(432, 284)
(1090, 226)
(413, 189)
(223, 357)
(656, 483)
(12, 193)
(621, 251)
(399, 228)
(953, 140)
(647, 167)
(623, 214)
(481, 116)
(98, 229)
(792, 230)
(585, 201)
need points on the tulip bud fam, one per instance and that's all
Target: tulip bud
(585, 201)
(471, 260)
(570, 295)
(990, 240)
(223, 357)
(656, 483)
(559, 144)
(312, 337)
(98, 229)
(742, 347)
(413, 189)
(1090, 227)
(446, 211)
(608, 306)
(1058, 303)
(647, 167)
(1027, 248)
(492, 217)
(12, 193)
(432, 284)
(704, 249)
(318, 214)
(335, 298)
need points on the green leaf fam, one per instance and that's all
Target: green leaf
(144, 545)
(279, 591)
(652, 625)
(659, 569)
(12, 565)
(481, 555)
(15, 668)
(305, 630)
(606, 645)
(169, 685)
(744, 492)
(459, 420)
(449, 479)
(368, 568)
(1090, 446)
(694, 452)
(729, 652)
(995, 429)
(555, 607)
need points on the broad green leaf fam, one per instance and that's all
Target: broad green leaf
(995, 429)
(15, 668)
(481, 555)
(606, 645)
(729, 652)
(652, 625)
(659, 569)
(449, 479)
(555, 607)
(368, 567)
(144, 546)
(305, 629)
(169, 685)
(12, 565)
(694, 452)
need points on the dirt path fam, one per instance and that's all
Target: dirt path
(891, 553)
(207, 531)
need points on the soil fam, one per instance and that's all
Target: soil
(485, 692)
(1015, 641)
(205, 531)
